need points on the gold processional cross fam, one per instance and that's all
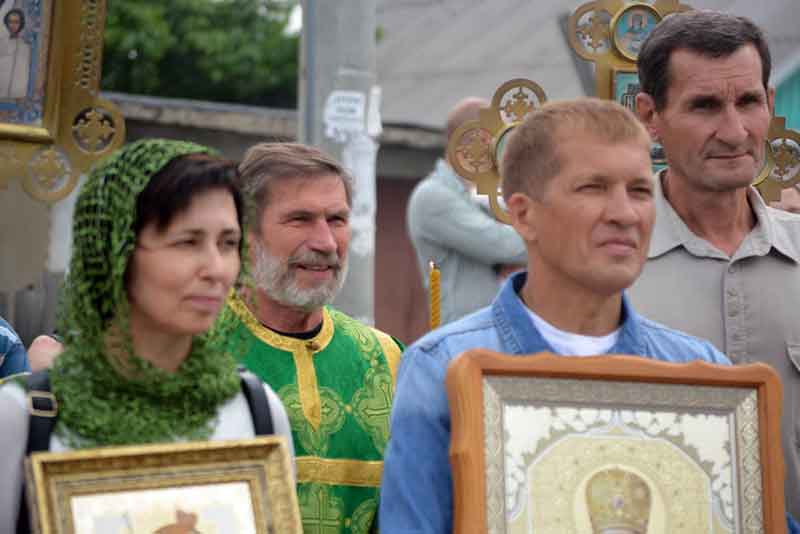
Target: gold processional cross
(475, 148)
(608, 33)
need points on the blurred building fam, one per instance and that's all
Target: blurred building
(431, 53)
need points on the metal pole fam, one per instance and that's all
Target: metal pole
(337, 96)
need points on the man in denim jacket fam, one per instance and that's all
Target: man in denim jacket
(13, 358)
(579, 189)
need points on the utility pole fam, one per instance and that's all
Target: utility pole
(339, 105)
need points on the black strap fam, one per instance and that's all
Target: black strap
(40, 428)
(257, 399)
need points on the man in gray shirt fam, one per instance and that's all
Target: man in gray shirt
(722, 265)
(450, 227)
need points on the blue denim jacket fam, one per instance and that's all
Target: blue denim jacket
(13, 358)
(416, 489)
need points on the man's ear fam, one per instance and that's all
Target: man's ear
(521, 209)
(646, 109)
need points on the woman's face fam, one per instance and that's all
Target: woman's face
(179, 278)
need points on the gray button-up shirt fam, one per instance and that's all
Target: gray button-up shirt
(746, 305)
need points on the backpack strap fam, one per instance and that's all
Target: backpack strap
(253, 390)
(43, 413)
(43, 410)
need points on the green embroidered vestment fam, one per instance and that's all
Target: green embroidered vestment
(337, 388)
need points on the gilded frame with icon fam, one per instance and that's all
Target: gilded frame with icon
(553, 444)
(242, 486)
(53, 124)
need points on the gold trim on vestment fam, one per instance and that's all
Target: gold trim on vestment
(303, 351)
(341, 472)
(391, 351)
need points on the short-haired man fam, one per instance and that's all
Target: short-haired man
(448, 226)
(722, 265)
(579, 189)
(334, 375)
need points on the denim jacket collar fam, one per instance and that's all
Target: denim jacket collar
(519, 335)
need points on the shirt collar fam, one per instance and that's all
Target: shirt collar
(671, 231)
(775, 228)
(519, 336)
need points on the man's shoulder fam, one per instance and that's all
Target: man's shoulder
(8, 338)
(783, 217)
(427, 191)
(786, 229)
(343, 322)
(476, 330)
(341, 319)
(669, 344)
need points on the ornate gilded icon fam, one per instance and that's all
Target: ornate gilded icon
(51, 118)
(53, 125)
(475, 149)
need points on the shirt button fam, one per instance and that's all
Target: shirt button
(731, 269)
(733, 311)
(732, 293)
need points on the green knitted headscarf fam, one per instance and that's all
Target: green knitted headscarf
(119, 399)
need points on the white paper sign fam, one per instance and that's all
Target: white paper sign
(344, 114)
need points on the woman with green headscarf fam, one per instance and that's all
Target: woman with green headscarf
(157, 244)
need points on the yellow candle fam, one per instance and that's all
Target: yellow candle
(435, 289)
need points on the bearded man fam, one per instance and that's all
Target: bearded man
(334, 375)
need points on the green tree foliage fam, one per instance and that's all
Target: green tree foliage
(219, 50)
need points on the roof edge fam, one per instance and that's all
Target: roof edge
(249, 120)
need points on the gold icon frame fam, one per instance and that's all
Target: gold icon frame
(620, 16)
(495, 397)
(77, 126)
(57, 481)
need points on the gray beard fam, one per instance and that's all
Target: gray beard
(275, 277)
